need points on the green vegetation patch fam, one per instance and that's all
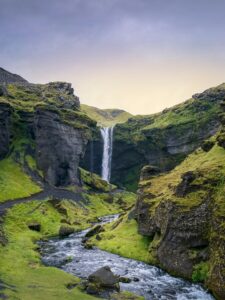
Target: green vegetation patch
(124, 240)
(106, 117)
(20, 260)
(14, 183)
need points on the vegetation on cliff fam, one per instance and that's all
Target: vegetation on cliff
(106, 117)
(166, 138)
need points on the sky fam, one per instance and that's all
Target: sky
(137, 55)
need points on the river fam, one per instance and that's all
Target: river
(69, 255)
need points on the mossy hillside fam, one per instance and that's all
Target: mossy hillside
(166, 138)
(20, 268)
(209, 166)
(25, 99)
(122, 237)
(106, 117)
(14, 183)
(194, 110)
(209, 185)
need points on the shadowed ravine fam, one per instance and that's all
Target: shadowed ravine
(148, 281)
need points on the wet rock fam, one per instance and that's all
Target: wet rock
(35, 226)
(135, 279)
(65, 230)
(96, 229)
(124, 279)
(88, 245)
(103, 279)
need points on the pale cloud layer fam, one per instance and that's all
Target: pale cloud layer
(139, 55)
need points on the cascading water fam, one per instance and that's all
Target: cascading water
(107, 136)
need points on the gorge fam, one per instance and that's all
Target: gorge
(63, 166)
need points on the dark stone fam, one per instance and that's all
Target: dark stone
(96, 229)
(185, 186)
(34, 226)
(207, 145)
(71, 286)
(65, 230)
(104, 278)
(98, 238)
(221, 139)
(135, 279)
(124, 279)
(88, 245)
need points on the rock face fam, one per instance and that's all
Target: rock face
(7, 77)
(59, 148)
(5, 113)
(183, 214)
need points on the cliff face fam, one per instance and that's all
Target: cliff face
(59, 148)
(5, 114)
(45, 122)
(183, 214)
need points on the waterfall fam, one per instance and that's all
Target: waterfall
(107, 136)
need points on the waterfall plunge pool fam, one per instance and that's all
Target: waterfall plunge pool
(153, 283)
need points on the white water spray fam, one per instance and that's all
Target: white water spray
(107, 136)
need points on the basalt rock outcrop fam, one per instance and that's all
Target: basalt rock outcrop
(45, 122)
(59, 148)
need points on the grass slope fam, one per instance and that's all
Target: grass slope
(20, 265)
(14, 183)
(106, 117)
(124, 240)
(21, 269)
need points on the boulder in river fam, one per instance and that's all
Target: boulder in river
(96, 229)
(102, 280)
(65, 230)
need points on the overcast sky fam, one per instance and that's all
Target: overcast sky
(139, 55)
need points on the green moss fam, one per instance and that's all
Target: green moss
(201, 272)
(125, 296)
(14, 183)
(20, 262)
(124, 240)
(94, 182)
(106, 204)
(106, 117)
